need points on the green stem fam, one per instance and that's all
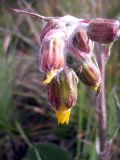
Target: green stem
(80, 119)
(27, 140)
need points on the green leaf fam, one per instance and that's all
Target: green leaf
(1, 48)
(48, 151)
(6, 89)
(113, 116)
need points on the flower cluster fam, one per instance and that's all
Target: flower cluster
(69, 35)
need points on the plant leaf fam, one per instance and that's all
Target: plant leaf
(48, 151)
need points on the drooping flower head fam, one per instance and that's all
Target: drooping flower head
(89, 74)
(81, 46)
(103, 30)
(51, 54)
(82, 42)
(62, 93)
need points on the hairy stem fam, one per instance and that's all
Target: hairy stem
(101, 107)
(40, 17)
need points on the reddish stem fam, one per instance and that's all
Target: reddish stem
(102, 104)
(101, 107)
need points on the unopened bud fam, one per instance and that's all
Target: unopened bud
(52, 54)
(62, 93)
(82, 42)
(103, 30)
(89, 74)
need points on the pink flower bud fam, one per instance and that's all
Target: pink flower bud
(103, 30)
(62, 93)
(80, 46)
(82, 42)
(51, 57)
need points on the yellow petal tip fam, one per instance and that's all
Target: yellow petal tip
(63, 116)
(49, 76)
(97, 89)
(47, 80)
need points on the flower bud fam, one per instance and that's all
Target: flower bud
(62, 93)
(89, 74)
(103, 30)
(82, 42)
(51, 58)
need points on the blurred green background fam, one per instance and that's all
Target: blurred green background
(28, 126)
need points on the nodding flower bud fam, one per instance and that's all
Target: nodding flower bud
(52, 24)
(103, 30)
(62, 93)
(89, 74)
(82, 42)
(51, 56)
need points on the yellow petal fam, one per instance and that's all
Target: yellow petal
(63, 115)
(49, 76)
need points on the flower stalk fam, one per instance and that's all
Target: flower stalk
(40, 17)
(101, 107)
